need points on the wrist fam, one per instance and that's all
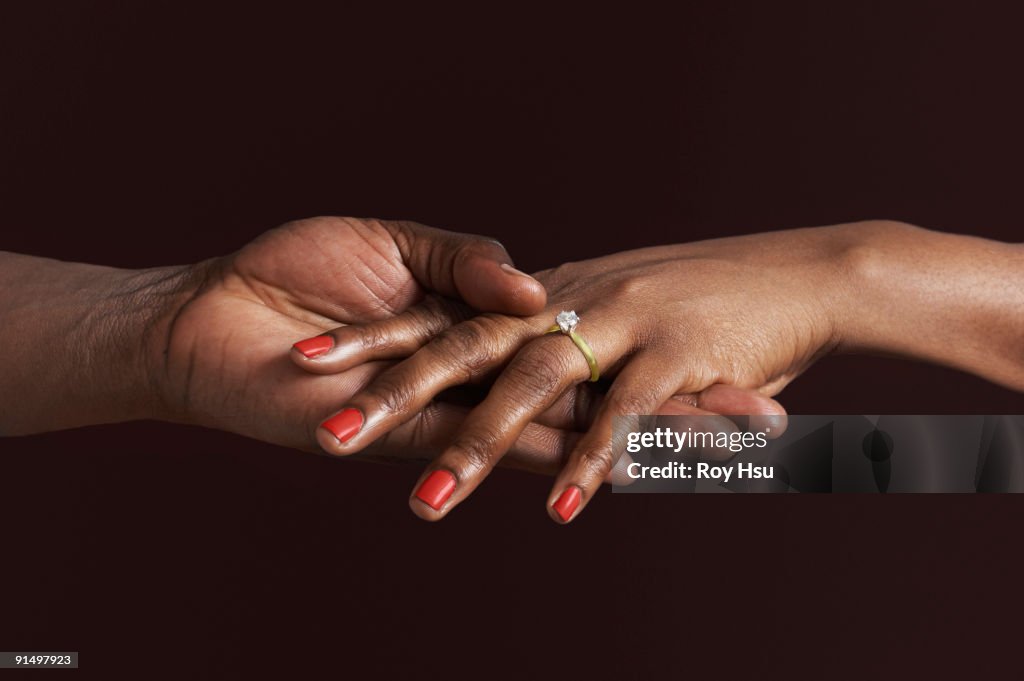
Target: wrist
(82, 343)
(865, 277)
(123, 329)
(945, 298)
(158, 297)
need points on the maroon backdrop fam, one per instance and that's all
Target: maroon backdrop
(137, 134)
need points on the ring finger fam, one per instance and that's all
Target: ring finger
(530, 384)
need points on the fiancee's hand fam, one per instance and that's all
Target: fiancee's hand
(751, 312)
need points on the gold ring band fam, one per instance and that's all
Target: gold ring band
(584, 348)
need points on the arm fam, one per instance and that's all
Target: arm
(944, 298)
(752, 312)
(76, 340)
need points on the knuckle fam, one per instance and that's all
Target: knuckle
(696, 376)
(639, 400)
(630, 288)
(540, 369)
(467, 335)
(370, 338)
(477, 451)
(435, 314)
(466, 346)
(597, 459)
(391, 395)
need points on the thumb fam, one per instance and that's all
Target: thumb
(472, 268)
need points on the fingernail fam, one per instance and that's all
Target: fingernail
(512, 270)
(436, 489)
(776, 423)
(567, 503)
(344, 424)
(314, 347)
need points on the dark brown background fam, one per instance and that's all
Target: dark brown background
(136, 134)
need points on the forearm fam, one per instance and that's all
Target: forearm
(950, 299)
(77, 342)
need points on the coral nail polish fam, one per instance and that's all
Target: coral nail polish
(436, 489)
(314, 347)
(344, 424)
(567, 503)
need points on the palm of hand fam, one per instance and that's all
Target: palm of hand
(227, 357)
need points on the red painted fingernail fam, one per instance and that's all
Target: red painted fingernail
(436, 489)
(567, 503)
(344, 424)
(314, 347)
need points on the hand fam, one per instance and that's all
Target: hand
(203, 343)
(225, 366)
(750, 312)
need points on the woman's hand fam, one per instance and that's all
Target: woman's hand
(224, 367)
(751, 312)
(202, 343)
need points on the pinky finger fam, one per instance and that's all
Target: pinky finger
(748, 408)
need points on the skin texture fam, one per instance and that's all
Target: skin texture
(751, 312)
(209, 343)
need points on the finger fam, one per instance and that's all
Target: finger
(344, 347)
(641, 388)
(766, 415)
(749, 409)
(573, 409)
(697, 420)
(576, 408)
(724, 409)
(469, 267)
(540, 449)
(532, 381)
(460, 354)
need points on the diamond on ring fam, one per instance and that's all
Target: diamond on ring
(567, 321)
